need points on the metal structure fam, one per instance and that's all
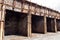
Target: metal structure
(38, 19)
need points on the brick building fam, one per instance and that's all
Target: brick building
(23, 18)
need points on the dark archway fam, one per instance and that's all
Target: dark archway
(15, 23)
(58, 24)
(50, 25)
(37, 24)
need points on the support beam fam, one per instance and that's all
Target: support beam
(2, 25)
(55, 25)
(2, 22)
(45, 25)
(29, 25)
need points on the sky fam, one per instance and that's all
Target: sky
(53, 4)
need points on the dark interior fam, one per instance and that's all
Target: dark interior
(50, 25)
(37, 24)
(58, 24)
(15, 23)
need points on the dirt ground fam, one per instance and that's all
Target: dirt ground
(36, 36)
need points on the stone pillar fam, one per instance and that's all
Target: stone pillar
(2, 19)
(55, 25)
(45, 24)
(2, 28)
(29, 25)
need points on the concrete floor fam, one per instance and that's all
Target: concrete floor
(36, 36)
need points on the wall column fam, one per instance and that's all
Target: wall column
(45, 24)
(2, 19)
(55, 25)
(29, 25)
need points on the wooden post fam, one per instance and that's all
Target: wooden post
(55, 25)
(45, 25)
(29, 25)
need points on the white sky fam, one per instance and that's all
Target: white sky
(53, 4)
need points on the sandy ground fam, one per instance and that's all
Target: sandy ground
(35, 36)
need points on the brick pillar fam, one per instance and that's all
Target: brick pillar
(2, 19)
(55, 25)
(29, 25)
(45, 24)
